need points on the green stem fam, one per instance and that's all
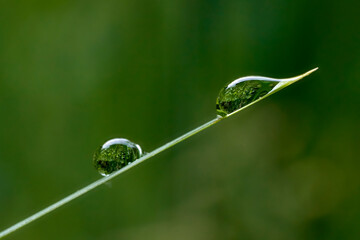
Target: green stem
(281, 85)
(103, 180)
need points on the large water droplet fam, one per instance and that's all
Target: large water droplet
(115, 154)
(246, 90)
(241, 92)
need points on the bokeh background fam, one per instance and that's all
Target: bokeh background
(74, 74)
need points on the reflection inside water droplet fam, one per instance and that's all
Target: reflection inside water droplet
(115, 154)
(242, 92)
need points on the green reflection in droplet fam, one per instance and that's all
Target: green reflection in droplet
(115, 154)
(242, 92)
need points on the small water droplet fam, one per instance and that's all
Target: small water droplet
(115, 154)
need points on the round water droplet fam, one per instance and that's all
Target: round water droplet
(115, 154)
(242, 92)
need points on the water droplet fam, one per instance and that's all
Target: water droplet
(115, 154)
(246, 90)
(241, 92)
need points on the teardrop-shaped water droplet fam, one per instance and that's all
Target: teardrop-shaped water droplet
(246, 90)
(241, 92)
(115, 154)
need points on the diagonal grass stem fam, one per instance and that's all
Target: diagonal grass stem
(283, 83)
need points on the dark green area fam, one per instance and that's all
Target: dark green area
(232, 98)
(74, 74)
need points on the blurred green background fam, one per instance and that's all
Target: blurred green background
(74, 74)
